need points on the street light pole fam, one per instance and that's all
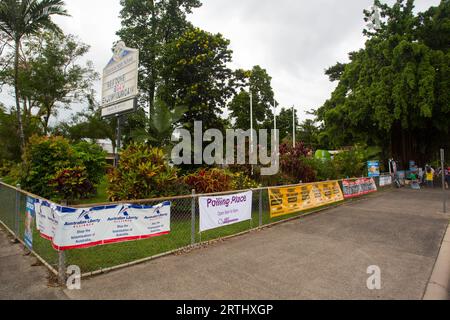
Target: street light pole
(443, 180)
(251, 128)
(293, 125)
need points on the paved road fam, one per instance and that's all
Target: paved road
(21, 277)
(324, 256)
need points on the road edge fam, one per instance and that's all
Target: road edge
(438, 286)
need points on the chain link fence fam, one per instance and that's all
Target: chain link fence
(184, 232)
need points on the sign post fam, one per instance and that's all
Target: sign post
(120, 86)
(443, 180)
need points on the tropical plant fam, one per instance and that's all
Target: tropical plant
(159, 128)
(46, 157)
(241, 181)
(293, 167)
(142, 173)
(210, 180)
(93, 158)
(395, 92)
(72, 184)
(19, 18)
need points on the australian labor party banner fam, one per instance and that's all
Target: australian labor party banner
(70, 228)
(220, 211)
(357, 187)
(288, 200)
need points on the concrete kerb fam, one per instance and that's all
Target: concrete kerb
(438, 286)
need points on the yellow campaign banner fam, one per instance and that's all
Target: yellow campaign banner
(288, 200)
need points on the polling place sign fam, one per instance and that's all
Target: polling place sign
(70, 228)
(220, 211)
(120, 81)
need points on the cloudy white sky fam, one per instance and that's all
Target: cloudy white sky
(295, 40)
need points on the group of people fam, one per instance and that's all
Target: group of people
(427, 176)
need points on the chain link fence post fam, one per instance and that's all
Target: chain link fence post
(61, 268)
(16, 214)
(193, 218)
(260, 208)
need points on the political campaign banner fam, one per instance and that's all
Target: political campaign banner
(69, 228)
(220, 211)
(29, 220)
(288, 200)
(358, 187)
(373, 168)
(385, 180)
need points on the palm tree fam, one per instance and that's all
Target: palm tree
(19, 18)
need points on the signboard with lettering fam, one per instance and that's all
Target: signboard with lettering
(221, 211)
(120, 81)
(71, 228)
(289, 200)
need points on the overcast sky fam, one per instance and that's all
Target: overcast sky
(295, 40)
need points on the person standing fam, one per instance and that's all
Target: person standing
(429, 177)
(447, 178)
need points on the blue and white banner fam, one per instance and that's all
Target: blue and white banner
(220, 211)
(70, 228)
(29, 220)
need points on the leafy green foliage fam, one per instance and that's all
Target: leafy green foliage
(26, 18)
(46, 157)
(324, 169)
(259, 83)
(210, 180)
(93, 158)
(71, 184)
(149, 25)
(293, 167)
(159, 128)
(143, 173)
(241, 181)
(197, 76)
(395, 93)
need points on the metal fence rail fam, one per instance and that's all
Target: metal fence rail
(185, 232)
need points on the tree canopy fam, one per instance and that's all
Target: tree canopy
(395, 92)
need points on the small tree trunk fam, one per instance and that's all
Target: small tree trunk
(16, 88)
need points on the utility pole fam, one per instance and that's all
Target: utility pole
(251, 128)
(443, 180)
(275, 116)
(293, 125)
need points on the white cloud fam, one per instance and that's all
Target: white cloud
(295, 40)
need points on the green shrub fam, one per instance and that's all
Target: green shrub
(143, 173)
(325, 169)
(292, 165)
(72, 183)
(45, 157)
(241, 181)
(210, 180)
(93, 158)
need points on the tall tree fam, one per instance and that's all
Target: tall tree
(19, 18)
(149, 25)
(51, 76)
(284, 124)
(258, 82)
(197, 76)
(395, 93)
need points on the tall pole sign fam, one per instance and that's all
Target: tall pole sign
(120, 81)
(120, 86)
(443, 180)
